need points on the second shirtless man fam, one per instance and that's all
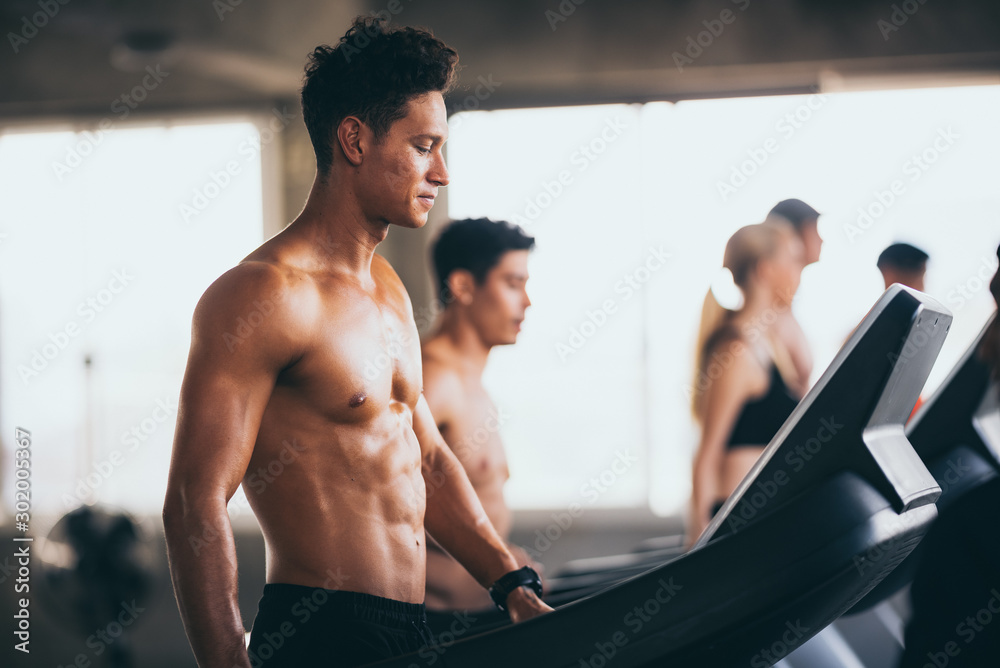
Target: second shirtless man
(482, 272)
(350, 455)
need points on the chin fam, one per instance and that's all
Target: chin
(412, 222)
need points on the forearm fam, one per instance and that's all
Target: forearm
(202, 555)
(455, 518)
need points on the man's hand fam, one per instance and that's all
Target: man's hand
(522, 604)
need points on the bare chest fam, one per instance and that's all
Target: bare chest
(474, 436)
(363, 358)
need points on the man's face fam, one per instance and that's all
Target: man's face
(813, 242)
(498, 305)
(402, 172)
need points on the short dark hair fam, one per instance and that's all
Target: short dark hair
(476, 245)
(902, 257)
(794, 211)
(372, 73)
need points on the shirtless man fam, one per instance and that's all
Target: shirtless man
(805, 220)
(482, 272)
(315, 402)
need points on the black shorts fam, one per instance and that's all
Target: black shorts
(298, 627)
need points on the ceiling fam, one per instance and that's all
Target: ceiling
(232, 53)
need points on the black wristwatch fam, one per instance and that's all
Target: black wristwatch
(523, 577)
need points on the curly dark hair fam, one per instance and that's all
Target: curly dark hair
(372, 73)
(476, 245)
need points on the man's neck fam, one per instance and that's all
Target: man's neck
(334, 226)
(469, 348)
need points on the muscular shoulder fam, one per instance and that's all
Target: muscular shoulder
(257, 304)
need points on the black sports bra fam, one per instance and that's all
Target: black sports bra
(761, 418)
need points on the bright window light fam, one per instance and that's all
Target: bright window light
(607, 189)
(109, 241)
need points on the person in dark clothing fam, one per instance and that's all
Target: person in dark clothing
(956, 591)
(740, 392)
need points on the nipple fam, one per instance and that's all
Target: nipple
(357, 399)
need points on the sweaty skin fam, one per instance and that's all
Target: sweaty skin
(317, 409)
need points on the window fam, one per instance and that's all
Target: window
(601, 370)
(109, 240)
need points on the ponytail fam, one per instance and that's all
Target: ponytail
(714, 320)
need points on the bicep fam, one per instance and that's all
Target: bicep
(219, 413)
(227, 385)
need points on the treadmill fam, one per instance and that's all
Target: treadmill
(837, 500)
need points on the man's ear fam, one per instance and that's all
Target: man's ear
(462, 285)
(349, 133)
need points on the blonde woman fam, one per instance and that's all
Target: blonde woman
(743, 374)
